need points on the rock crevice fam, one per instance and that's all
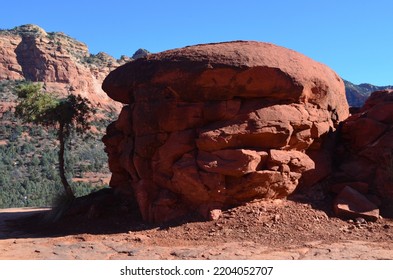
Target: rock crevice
(365, 152)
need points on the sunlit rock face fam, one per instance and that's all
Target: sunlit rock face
(212, 126)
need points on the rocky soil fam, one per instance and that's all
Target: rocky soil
(275, 229)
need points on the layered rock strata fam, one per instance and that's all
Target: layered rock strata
(213, 126)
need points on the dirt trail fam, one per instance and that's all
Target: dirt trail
(278, 229)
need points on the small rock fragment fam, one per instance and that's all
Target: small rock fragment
(215, 214)
(360, 220)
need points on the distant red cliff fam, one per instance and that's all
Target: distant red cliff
(63, 64)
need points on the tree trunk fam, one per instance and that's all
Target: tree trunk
(63, 178)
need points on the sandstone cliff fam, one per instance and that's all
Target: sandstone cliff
(60, 62)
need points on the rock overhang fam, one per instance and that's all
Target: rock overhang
(221, 71)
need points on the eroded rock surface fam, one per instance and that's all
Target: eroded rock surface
(213, 126)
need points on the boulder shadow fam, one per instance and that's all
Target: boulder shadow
(99, 213)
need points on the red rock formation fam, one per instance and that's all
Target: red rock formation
(365, 153)
(216, 125)
(56, 60)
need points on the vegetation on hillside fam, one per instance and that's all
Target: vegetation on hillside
(29, 160)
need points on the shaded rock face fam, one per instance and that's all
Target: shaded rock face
(213, 126)
(365, 153)
(58, 61)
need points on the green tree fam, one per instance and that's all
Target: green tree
(66, 115)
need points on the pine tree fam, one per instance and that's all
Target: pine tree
(66, 115)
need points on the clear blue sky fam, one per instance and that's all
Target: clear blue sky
(354, 37)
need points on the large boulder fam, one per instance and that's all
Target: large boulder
(365, 152)
(216, 125)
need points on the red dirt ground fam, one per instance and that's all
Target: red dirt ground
(278, 229)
